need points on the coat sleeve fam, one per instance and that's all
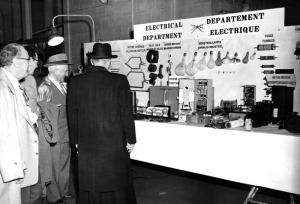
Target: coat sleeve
(125, 103)
(11, 164)
(47, 122)
(72, 111)
(30, 87)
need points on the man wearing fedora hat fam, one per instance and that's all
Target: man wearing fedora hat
(101, 124)
(52, 100)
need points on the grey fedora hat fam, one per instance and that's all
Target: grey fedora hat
(57, 59)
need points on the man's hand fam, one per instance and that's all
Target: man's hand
(19, 181)
(129, 147)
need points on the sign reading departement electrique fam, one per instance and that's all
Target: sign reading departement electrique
(252, 22)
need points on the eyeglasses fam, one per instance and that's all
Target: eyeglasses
(33, 59)
(23, 58)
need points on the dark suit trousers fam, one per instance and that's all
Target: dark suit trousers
(59, 186)
(109, 197)
(32, 194)
(88, 197)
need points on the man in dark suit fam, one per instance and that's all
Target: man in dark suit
(101, 124)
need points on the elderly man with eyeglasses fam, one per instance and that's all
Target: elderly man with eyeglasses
(19, 154)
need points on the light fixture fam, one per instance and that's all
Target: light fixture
(56, 39)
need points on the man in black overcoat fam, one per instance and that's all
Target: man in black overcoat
(101, 124)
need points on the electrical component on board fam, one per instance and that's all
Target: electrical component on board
(268, 72)
(267, 66)
(219, 60)
(263, 47)
(246, 58)
(202, 64)
(284, 71)
(235, 58)
(160, 75)
(252, 57)
(267, 57)
(153, 78)
(211, 62)
(226, 59)
(191, 68)
(180, 68)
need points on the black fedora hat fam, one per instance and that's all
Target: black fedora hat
(58, 59)
(101, 51)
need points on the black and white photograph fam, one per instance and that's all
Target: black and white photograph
(149, 102)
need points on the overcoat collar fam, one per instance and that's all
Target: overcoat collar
(12, 90)
(4, 78)
(95, 68)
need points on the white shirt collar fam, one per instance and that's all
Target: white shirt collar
(56, 83)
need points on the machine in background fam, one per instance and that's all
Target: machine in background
(195, 96)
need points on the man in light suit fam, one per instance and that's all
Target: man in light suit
(52, 93)
(18, 139)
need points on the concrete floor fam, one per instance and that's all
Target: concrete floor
(161, 185)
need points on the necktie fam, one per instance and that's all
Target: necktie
(63, 88)
(26, 98)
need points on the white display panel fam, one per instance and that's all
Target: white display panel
(259, 159)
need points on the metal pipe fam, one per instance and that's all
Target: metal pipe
(77, 15)
(46, 29)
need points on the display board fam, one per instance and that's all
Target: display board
(232, 63)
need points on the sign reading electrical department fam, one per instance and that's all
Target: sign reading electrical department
(260, 21)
